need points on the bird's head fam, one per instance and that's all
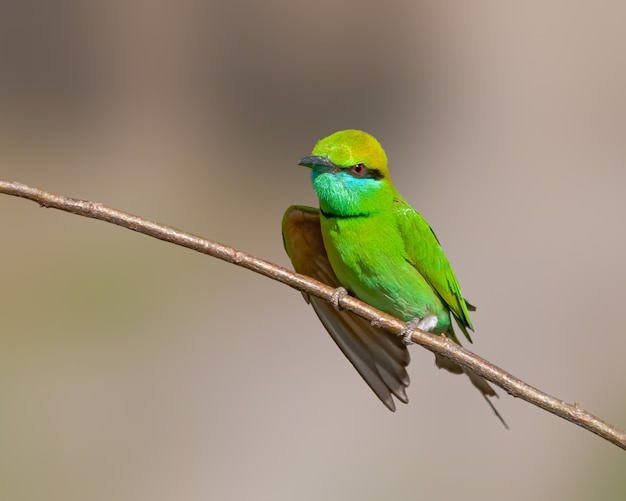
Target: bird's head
(349, 173)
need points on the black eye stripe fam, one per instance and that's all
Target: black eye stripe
(363, 172)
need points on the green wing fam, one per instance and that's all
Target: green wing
(379, 357)
(426, 255)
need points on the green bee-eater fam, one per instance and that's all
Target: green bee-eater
(367, 239)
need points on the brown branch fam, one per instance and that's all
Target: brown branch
(437, 344)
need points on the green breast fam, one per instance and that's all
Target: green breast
(368, 256)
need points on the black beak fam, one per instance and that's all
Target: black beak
(319, 164)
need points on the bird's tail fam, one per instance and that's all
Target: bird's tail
(483, 386)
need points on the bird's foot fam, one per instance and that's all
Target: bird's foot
(337, 296)
(426, 324)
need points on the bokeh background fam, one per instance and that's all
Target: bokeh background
(134, 369)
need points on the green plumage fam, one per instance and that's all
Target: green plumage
(392, 260)
(381, 250)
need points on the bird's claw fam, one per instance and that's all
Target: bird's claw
(338, 294)
(426, 324)
(408, 330)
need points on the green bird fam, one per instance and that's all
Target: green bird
(366, 240)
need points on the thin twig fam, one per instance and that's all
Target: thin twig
(437, 344)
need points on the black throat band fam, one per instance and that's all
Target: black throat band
(330, 215)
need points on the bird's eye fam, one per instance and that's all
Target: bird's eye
(359, 170)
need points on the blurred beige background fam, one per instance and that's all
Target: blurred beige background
(133, 369)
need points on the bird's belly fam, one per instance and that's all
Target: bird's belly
(372, 266)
